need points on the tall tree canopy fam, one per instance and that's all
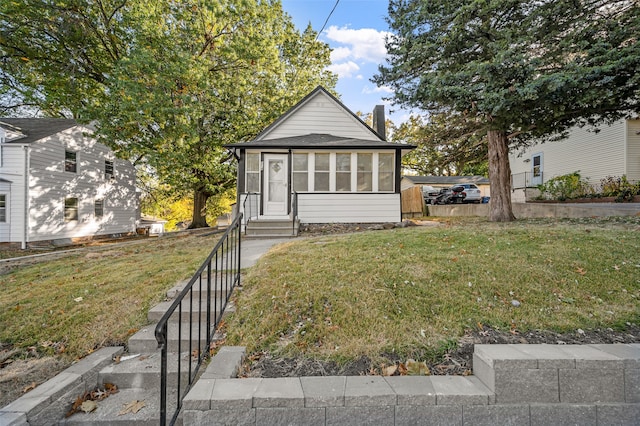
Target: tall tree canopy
(166, 83)
(527, 71)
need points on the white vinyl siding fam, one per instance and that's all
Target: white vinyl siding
(594, 155)
(50, 185)
(349, 207)
(633, 150)
(320, 114)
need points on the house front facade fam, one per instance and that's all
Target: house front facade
(58, 183)
(320, 163)
(612, 151)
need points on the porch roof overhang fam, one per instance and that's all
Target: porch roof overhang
(317, 141)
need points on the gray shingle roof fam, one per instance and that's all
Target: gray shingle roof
(319, 141)
(35, 129)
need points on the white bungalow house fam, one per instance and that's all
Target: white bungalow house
(613, 151)
(318, 163)
(59, 184)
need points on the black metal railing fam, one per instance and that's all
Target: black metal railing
(251, 206)
(211, 286)
(294, 212)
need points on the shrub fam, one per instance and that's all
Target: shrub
(619, 187)
(565, 187)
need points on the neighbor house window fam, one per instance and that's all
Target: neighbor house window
(252, 173)
(300, 172)
(365, 172)
(3, 208)
(385, 172)
(98, 206)
(343, 172)
(108, 169)
(321, 175)
(70, 164)
(70, 209)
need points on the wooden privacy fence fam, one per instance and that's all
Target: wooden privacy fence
(412, 202)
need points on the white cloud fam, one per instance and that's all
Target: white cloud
(366, 44)
(340, 53)
(345, 69)
(368, 90)
(359, 77)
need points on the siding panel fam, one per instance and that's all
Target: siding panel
(349, 208)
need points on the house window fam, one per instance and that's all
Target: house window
(321, 175)
(365, 172)
(300, 172)
(70, 164)
(252, 173)
(98, 206)
(70, 209)
(108, 170)
(343, 172)
(3, 208)
(385, 172)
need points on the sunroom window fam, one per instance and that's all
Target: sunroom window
(343, 172)
(300, 172)
(385, 172)
(321, 176)
(365, 172)
(252, 173)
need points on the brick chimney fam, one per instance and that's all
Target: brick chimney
(379, 121)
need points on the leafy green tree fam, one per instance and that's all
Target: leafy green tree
(447, 144)
(528, 71)
(166, 83)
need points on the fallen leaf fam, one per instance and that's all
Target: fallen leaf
(99, 394)
(390, 370)
(88, 406)
(78, 299)
(581, 271)
(616, 267)
(415, 368)
(402, 369)
(132, 407)
(76, 406)
(110, 388)
(30, 387)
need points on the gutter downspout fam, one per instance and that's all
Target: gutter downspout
(25, 234)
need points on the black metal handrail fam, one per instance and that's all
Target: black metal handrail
(218, 276)
(253, 199)
(294, 212)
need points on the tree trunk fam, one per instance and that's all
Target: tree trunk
(499, 177)
(199, 219)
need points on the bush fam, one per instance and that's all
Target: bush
(565, 187)
(619, 187)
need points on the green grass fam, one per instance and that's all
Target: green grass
(76, 304)
(414, 291)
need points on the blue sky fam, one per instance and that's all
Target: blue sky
(355, 32)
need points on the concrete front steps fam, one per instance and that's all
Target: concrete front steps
(136, 372)
(272, 228)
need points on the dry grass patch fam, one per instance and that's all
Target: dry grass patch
(413, 291)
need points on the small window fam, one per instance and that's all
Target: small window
(343, 172)
(70, 209)
(98, 208)
(365, 172)
(300, 172)
(321, 176)
(385, 172)
(108, 170)
(3, 208)
(70, 164)
(252, 173)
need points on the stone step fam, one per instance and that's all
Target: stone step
(143, 371)
(190, 310)
(220, 284)
(144, 341)
(108, 411)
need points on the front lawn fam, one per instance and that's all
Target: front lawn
(413, 292)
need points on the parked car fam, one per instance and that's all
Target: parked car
(472, 192)
(453, 195)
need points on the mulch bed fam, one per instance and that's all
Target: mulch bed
(456, 362)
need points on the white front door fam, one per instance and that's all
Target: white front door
(276, 177)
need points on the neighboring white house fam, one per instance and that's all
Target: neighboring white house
(613, 151)
(320, 163)
(57, 183)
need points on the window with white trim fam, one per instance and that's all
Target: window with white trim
(70, 209)
(365, 172)
(300, 166)
(98, 207)
(252, 173)
(70, 161)
(322, 172)
(108, 170)
(385, 172)
(3, 208)
(343, 172)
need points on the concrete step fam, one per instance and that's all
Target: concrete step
(144, 341)
(190, 310)
(108, 410)
(220, 284)
(143, 371)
